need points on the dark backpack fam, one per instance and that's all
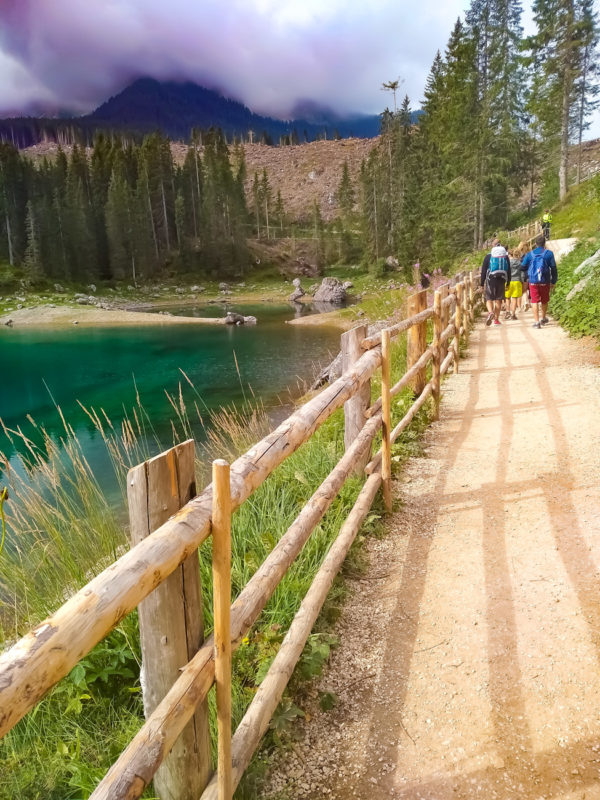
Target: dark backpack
(539, 271)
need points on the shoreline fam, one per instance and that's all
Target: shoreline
(48, 316)
(89, 316)
(326, 319)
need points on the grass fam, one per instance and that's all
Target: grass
(578, 214)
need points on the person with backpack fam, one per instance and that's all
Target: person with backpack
(514, 289)
(495, 277)
(542, 275)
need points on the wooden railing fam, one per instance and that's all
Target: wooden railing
(160, 573)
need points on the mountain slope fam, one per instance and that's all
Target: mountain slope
(175, 108)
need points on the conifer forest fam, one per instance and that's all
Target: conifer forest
(500, 129)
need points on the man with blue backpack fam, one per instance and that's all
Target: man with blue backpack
(542, 274)
(495, 277)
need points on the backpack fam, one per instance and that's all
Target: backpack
(498, 267)
(539, 271)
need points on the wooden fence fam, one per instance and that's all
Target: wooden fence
(160, 573)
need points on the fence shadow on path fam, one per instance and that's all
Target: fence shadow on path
(518, 770)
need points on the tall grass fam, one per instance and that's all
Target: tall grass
(62, 530)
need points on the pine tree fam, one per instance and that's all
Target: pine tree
(32, 264)
(345, 192)
(586, 83)
(563, 46)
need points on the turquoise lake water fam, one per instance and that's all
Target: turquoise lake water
(101, 368)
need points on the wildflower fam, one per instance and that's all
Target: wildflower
(245, 640)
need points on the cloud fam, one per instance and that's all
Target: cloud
(269, 54)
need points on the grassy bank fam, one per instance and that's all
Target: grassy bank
(62, 530)
(580, 313)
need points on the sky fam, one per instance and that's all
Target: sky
(272, 55)
(269, 54)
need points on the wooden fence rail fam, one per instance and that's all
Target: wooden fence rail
(45, 655)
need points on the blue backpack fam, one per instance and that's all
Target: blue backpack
(498, 266)
(539, 270)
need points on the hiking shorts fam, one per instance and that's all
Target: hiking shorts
(495, 287)
(539, 292)
(514, 289)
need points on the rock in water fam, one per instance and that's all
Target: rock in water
(232, 318)
(297, 293)
(331, 291)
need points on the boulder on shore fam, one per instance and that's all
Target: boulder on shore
(330, 291)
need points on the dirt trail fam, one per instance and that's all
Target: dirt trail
(468, 664)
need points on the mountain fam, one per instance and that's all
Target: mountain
(175, 108)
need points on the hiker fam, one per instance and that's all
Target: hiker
(542, 275)
(495, 277)
(523, 301)
(514, 289)
(546, 222)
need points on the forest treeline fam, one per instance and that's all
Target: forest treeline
(124, 211)
(500, 116)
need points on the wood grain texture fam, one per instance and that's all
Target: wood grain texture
(416, 342)
(170, 618)
(221, 565)
(386, 445)
(355, 408)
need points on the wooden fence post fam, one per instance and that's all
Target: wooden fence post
(457, 323)
(386, 427)
(443, 290)
(170, 618)
(355, 408)
(437, 352)
(466, 317)
(471, 298)
(221, 544)
(416, 343)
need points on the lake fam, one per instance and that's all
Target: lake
(102, 367)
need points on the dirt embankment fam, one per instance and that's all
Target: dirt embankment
(302, 173)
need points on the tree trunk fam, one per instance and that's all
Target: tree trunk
(582, 110)
(567, 90)
(165, 217)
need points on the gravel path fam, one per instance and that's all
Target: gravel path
(468, 664)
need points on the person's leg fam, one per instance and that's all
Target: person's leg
(497, 308)
(489, 303)
(536, 299)
(545, 299)
(513, 307)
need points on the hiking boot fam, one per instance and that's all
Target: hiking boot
(497, 322)
(537, 325)
(513, 316)
(489, 319)
(545, 321)
(507, 315)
